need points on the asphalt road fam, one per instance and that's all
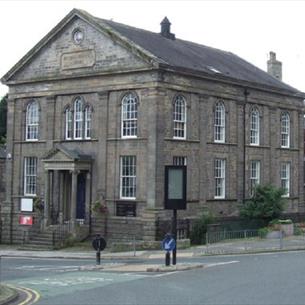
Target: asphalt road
(247, 279)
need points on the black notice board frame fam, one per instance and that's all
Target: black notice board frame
(175, 204)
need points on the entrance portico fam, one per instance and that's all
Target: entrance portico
(67, 187)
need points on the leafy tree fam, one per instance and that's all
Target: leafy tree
(267, 203)
(199, 229)
(3, 118)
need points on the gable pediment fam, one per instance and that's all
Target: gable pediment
(102, 50)
(58, 155)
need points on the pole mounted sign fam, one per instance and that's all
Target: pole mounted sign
(175, 187)
(174, 199)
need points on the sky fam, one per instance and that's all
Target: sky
(250, 29)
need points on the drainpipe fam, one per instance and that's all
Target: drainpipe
(246, 93)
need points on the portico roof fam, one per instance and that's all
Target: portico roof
(62, 158)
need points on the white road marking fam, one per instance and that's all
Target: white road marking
(221, 264)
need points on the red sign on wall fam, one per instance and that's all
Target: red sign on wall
(26, 220)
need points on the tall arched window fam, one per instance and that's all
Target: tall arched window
(219, 123)
(254, 127)
(88, 112)
(180, 117)
(78, 118)
(69, 124)
(32, 121)
(129, 123)
(285, 130)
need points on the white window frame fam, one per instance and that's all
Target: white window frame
(30, 176)
(32, 121)
(129, 116)
(88, 122)
(219, 123)
(255, 173)
(285, 178)
(285, 130)
(128, 177)
(180, 117)
(78, 119)
(220, 178)
(69, 124)
(254, 127)
(179, 160)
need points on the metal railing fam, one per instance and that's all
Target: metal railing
(61, 233)
(225, 242)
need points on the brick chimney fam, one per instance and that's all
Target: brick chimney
(166, 29)
(274, 67)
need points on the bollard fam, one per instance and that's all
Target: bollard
(167, 258)
(98, 257)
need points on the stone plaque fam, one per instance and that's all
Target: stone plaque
(80, 59)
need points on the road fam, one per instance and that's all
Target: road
(246, 279)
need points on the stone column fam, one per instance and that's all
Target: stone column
(73, 196)
(61, 197)
(46, 198)
(56, 195)
(88, 197)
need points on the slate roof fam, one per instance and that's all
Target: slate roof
(73, 154)
(188, 55)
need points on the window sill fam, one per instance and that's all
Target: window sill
(221, 199)
(181, 140)
(76, 140)
(30, 142)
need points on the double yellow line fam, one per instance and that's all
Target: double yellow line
(32, 296)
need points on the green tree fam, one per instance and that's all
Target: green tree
(3, 118)
(200, 227)
(267, 203)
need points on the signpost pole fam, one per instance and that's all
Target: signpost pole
(174, 233)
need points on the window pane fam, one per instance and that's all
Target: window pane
(179, 117)
(32, 121)
(30, 173)
(219, 123)
(128, 177)
(129, 115)
(78, 118)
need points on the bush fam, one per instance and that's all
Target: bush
(266, 203)
(262, 232)
(199, 229)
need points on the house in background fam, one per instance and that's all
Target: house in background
(97, 109)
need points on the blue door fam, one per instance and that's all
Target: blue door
(81, 196)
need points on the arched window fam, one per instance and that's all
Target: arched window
(78, 118)
(285, 130)
(180, 117)
(88, 112)
(254, 127)
(129, 123)
(219, 123)
(69, 123)
(32, 121)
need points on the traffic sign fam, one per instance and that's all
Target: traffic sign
(168, 243)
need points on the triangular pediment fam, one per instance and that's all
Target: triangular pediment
(57, 55)
(59, 154)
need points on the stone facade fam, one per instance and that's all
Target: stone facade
(101, 70)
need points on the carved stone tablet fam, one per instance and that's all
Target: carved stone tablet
(80, 59)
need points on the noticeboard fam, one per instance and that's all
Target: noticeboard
(26, 220)
(175, 187)
(126, 209)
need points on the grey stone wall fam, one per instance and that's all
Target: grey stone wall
(154, 147)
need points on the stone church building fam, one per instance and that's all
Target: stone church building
(97, 109)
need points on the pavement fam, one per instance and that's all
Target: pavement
(238, 246)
